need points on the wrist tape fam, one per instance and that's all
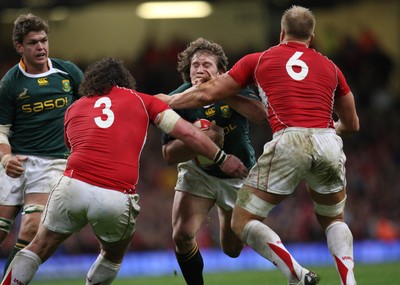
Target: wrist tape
(220, 157)
(5, 159)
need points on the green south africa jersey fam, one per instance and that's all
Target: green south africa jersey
(34, 105)
(236, 129)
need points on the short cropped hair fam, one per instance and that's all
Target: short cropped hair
(298, 22)
(201, 46)
(25, 24)
(101, 76)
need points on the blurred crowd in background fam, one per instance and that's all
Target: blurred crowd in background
(373, 155)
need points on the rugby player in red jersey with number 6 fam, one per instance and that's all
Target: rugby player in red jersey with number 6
(301, 89)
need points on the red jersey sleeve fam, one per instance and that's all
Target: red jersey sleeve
(241, 71)
(342, 88)
(154, 105)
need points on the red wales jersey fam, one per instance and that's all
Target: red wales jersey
(106, 135)
(297, 84)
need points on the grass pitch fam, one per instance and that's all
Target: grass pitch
(366, 274)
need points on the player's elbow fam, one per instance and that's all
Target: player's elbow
(168, 158)
(354, 126)
(348, 127)
(261, 118)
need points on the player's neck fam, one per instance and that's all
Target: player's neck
(34, 69)
(294, 41)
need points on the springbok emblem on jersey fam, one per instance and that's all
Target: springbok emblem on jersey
(66, 85)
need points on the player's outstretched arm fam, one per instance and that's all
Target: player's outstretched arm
(203, 94)
(171, 123)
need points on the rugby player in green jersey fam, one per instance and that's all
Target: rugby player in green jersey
(200, 187)
(34, 95)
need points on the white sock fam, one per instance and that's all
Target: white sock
(102, 272)
(340, 243)
(22, 268)
(268, 244)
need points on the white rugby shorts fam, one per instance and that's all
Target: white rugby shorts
(296, 154)
(191, 179)
(41, 174)
(73, 204)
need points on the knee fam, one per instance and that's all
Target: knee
(233, 249)
(5, 227)
(29, 226)
(182, 238)
(329, 214)
(232, 254)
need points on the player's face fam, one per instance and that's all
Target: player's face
(34, 51)
(202, 68)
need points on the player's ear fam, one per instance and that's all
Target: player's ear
(18, 47)
(311, 40)
(282, 35)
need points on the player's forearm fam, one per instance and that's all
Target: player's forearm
(345, 109)
(194, 138)
(209, 92)
(5, 154)
(193, 97)
(251, 109)
(4, 149)
(343, 129)
(177, 151)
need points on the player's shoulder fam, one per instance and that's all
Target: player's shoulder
(10, 79)
(11, 73)
(320, 59)
(254, 56)
(65, 65)
(130, 95)
(132, 92)
(61, 63)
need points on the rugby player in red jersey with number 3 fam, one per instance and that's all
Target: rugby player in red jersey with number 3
(106, 131)
(301, 89)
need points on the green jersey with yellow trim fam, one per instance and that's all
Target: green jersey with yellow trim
(34, 105)
(236, 129)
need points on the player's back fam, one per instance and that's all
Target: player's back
(106, 135)
(299, 84)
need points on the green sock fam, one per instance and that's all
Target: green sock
(20, 244)
(191, 265)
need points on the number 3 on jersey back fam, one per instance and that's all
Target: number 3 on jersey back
(100, 122)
